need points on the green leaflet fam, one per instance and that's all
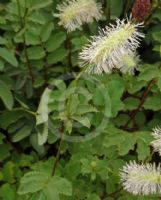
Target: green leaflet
(51, 186)
(6, 95)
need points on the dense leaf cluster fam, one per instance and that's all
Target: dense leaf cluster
(63, 137)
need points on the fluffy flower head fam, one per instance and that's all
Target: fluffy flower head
(157, 142)
(74, 13)
(141, 179)
(105, 50)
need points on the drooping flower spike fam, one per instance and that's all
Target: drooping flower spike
(74, 13)
(104, 51)
(141, 179)
(157, 142)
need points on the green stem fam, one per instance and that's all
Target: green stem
(25, 110)
(62, 129)
(59, 150)
(24, 42)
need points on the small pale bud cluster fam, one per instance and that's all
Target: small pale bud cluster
(128, 63)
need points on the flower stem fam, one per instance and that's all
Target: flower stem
(143, 98)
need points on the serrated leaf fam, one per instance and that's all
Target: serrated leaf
(157, 48)
(35, 52)
(39, 196)
(6, 95)
(93, 197)
(78, 42)
(22, 133)
(2, 64)
(32, 39)
(134, 86)
(37, 17)
(55, 41)
(8, 56)
(115, 96)
(113, 140)
(46, 31)
(98, 98)
(37, 4)
(2, 40)
(5, 151)
(43, 111)
(72, 104)
(60, 185)
(82, 120)
(9, 172)
(42, 130)
(127, 144)
(83, 109)
(35, 145)
(9, 117)
(33, 182)
(153, 103)
(149, 72)
(68, 125)
(116, 7)
(60, 84)
(56, 56)
(131, 103)
(7, 192)
(36, 181)
(156, 36)
(143, 149)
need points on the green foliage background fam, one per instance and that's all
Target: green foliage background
(36, 52)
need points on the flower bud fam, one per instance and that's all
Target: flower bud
(141, 9)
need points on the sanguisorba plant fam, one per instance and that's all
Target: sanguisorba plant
(80, 90)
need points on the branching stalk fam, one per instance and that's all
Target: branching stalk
(143, 98)
(62, 131)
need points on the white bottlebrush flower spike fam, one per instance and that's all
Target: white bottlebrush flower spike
(141, 179)
(128, 63)
(157, 142)
(74, 13)
(105, 50)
